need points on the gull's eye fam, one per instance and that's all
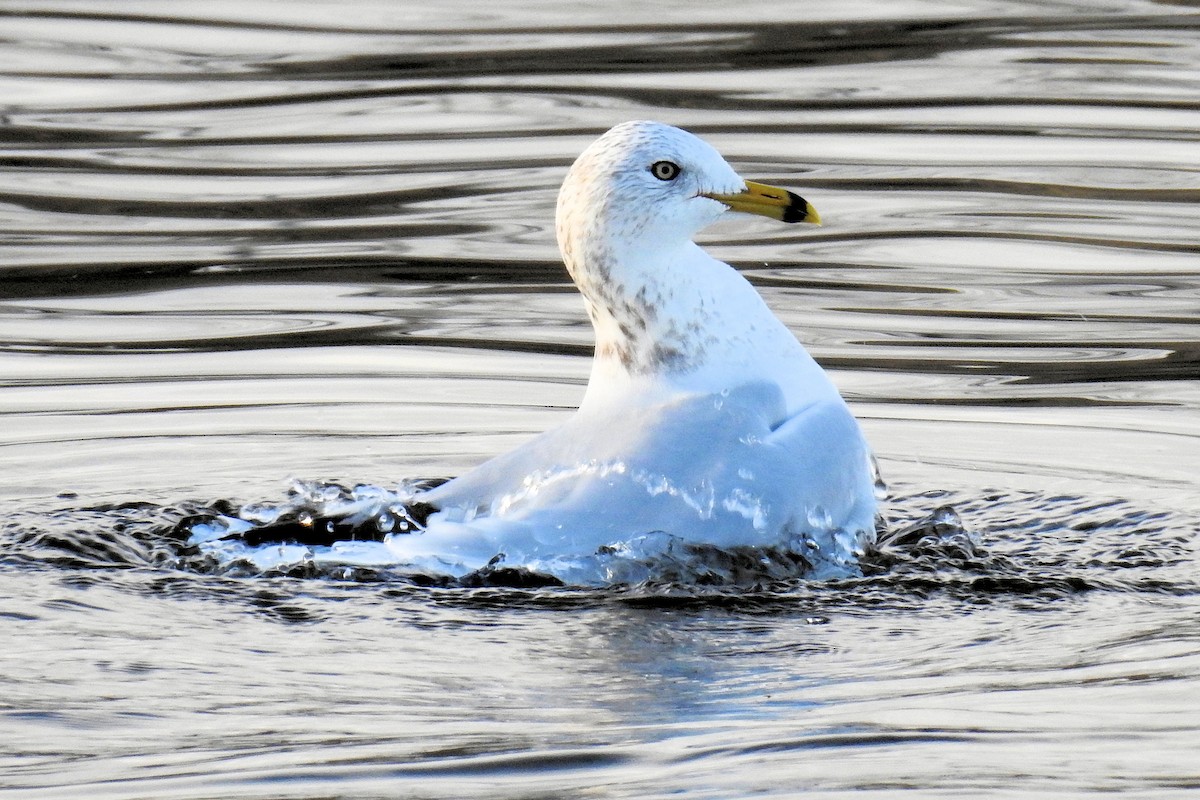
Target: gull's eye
(664, 170)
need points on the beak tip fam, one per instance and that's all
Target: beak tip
(809, 214)
(801, 211)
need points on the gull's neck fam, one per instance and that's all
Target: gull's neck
(672, 319)
(652, 309)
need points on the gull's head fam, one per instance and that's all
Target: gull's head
(655, 186)
(627, 212)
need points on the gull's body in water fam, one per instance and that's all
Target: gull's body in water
(705, 421)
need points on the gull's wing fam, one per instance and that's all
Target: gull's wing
(716, 469)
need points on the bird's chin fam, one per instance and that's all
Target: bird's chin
(708, 210)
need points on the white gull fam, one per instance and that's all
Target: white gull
(704, 420)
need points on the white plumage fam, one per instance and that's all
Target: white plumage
(704, 420)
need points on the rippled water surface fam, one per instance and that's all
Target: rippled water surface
(247, 243)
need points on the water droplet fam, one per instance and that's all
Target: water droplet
(819, 519)
(881, 489)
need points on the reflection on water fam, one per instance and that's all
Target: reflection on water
(255, 242)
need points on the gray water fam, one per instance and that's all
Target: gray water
(254, 242)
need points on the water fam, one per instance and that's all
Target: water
(257, 243)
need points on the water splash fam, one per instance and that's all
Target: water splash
(976, 547)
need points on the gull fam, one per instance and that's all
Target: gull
(704, 421)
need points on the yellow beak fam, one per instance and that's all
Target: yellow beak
(770, 201)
